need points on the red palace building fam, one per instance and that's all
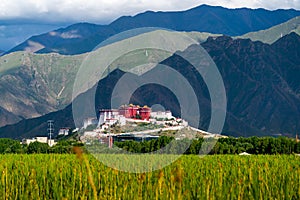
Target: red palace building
(145, 113)
(135, 112)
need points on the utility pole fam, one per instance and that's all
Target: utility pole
(50, 128)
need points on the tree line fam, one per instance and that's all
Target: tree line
(165, 144)
(252, 145)
(15, 147)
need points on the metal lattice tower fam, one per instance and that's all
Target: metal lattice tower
(50, 128)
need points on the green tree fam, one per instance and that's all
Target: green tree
(37, 147)
(10, 146)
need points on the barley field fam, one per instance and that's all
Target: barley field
(191, 177)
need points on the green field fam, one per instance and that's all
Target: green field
(191, 177)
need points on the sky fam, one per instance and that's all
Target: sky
(20, 19)
(105, 11)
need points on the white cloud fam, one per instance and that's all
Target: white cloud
(66, 35)
(107, 10)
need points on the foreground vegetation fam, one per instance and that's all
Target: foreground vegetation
(191, 177)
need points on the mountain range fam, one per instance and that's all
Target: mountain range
(84, 37)
(36, 84)
(261, 82)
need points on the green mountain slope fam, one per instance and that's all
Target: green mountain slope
(32, 84)
(271, 35)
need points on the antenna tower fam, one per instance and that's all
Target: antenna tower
(50, 128)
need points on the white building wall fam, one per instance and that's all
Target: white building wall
(28, 141)
(39, 139)
(63, 132)
(102, 119)
(42, 139)
(162, 114)
(111, 117)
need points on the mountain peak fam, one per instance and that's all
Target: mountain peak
(291, 38)
(289, 45)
